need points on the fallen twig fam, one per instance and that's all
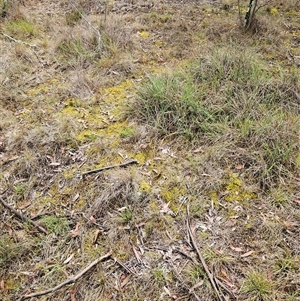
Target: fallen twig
(206, 269)
(23, 217)
(68, 281)
(109, 167)
(100, 44)
(17, 41)
(129, 271)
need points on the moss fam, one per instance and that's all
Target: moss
(45, 88)
(274, 11)
(213, 195)
(145, 187)
(144, 34)
(142, 157)
(173, 196)
(234, 189)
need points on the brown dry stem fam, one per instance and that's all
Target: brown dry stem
(206, 269)
(109, 167)
(23, 217)
(68, 281)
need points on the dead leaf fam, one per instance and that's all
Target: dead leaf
(96, 235)
(167, 291)
(223, 273)
(76, 231)
(2, 287)
(54, 164)
(8, 228)
(75, 198)
(93, 220)
(24, 205)
(200, 283)
(141, 224)
(198, 150)
(137, 254)
(73, 294)
(236, 249)
(289, 225)
(125, 281)
(247, 254)
(165, 208)
(239, 166)
(68, 259)
(10, 159)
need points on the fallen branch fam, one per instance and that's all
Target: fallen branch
(109, 167)
(206, 269)
(69, 281)
(23, 217)
(18, 41)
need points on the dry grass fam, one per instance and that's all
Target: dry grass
(215, 129)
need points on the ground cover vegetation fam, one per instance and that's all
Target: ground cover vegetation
(149, 150)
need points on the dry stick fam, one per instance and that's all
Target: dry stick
(17, 41)
(206, 269)
(69, 281)
(23, 217)
(109, 167)
(100, 44)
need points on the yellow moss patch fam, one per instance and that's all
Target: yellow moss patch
(153, 206)
(144, 34)
(46, 87)
(117, 92)
(235, 190)
(145, 186)
(143, 156)
(159, 43)
(172, 194)
(274, 11)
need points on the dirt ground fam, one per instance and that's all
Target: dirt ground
(161, 217)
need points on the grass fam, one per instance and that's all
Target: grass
(257, 286)
(228, 96)
(56, 225)
(211, 114)
(21, 28)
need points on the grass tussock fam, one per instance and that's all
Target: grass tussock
(229, 96)
(21, 28)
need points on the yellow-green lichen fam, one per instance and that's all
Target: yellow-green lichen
(46, 87)
(145, 187)
(144, 34)
(235, 191)
(172, 193)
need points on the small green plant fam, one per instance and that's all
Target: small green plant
(159, 275)
(73, 17)
(10, 251)
(279, 197)
(78, 49)
(257, 286)
(19, 189)
(54, 269)
(126, 132)
(21, 28)
(287, 263)
(196, 274)
(56, 225)
(126, 215)
(217, 259)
